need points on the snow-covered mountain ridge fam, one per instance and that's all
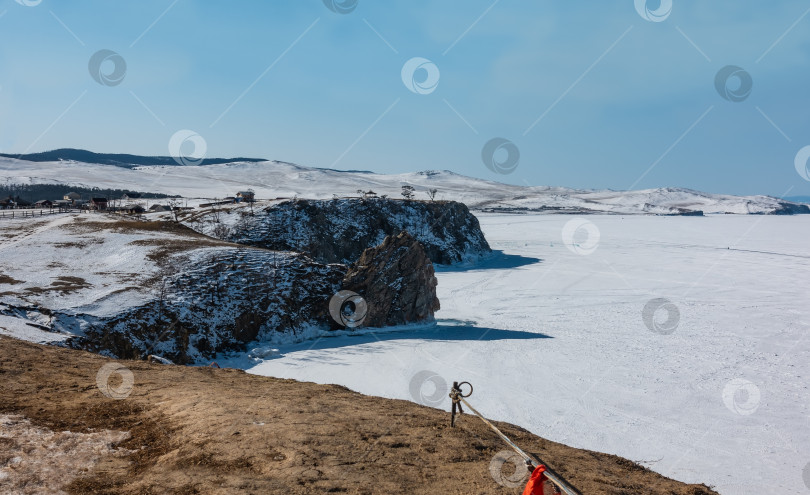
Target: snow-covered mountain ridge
(275, 179)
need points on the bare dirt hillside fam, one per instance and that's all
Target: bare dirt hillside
(205, 430)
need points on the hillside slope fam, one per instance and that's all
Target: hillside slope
(222, 431)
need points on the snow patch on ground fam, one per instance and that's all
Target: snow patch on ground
(38, 460)
(60, 263)
(22, 329)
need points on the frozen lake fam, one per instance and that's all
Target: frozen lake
(712, 387)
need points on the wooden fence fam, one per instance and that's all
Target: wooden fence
(36, 213)
(31, 213)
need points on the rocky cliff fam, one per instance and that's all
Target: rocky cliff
(339, 230)
(789, 208)
(397, 280)
(131, 289)
(223, 299)
(219, 300)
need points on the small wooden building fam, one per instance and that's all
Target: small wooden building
(133, 209)
(246, 196)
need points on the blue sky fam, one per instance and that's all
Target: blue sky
(591, 93)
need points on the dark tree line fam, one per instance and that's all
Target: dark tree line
(35, 192)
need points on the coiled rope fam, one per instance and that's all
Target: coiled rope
(458, 397)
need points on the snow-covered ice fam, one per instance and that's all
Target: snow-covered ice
(555, 341)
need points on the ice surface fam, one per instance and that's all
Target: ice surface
(560, 347)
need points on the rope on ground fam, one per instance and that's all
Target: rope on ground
(458, 397)
(153, 358)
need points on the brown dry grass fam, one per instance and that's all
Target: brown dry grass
(185, 239)
(167, 247)
(6, 279)
(62, 284)
(204, 430)
(182, 238)
(79, 245)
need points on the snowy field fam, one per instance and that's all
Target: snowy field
(712, 387)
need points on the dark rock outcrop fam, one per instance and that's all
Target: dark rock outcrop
(220, 301)
(397, 281)
(786, 208)
(337, 231)
(197, 297)
(685, 212)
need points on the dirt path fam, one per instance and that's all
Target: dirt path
(206, 430)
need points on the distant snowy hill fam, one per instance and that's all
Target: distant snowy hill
(275, 179)
(117, 159)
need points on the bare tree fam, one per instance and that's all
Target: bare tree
(174, 205)
(432, 194)
(221, 231)
(215, 213)
(162, 292)
(251, 200)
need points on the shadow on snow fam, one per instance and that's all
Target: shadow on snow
(447, 331)
(498, 260)
(348, 342)
(439, 332)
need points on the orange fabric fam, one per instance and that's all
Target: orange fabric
(536, 482)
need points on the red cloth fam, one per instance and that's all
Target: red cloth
(536, 482)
